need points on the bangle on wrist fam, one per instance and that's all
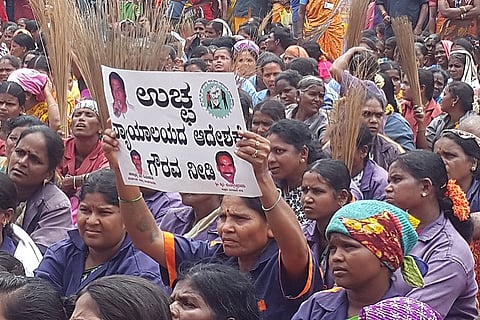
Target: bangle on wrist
(275, 203)
(74, 185)
(384, 14)
(131, 201)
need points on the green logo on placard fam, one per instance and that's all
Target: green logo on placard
(216, 99)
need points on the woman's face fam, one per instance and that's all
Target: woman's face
(100, 224)
(448, 101)
(27, 59)
(6, 68)
(199, 29)
(403, 190)
(311, 99)
(269, 73)
(9, 106)
(420, 57)
(7, 37)
(455, 68)
(222, 61)
(28, 166)
(394, 75)
(440, 55)
(457, 162)
(244, 231)
(86, 308)
(210, 32)
(262, 46)
(245, 64)
(353, 266)
(261, 123)
(85, 123)
(438, 84)
(319, 200)
(286, 92)
(208, 58)
(12, 140)
(388, 51)
(17, 50)
(188, 303)
(284, 160)
(372, 115)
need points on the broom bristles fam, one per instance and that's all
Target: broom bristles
(54, 16)
(97, 43)
(356, 22)
(402, 28)
(345, 125)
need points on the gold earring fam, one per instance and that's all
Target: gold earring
(302, 160)
(424, 194)
(473, 169)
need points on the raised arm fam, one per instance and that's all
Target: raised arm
(341, 63)
(295, 253)
(138, 219)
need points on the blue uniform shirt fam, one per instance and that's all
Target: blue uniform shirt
(276, 301)
(64, 262)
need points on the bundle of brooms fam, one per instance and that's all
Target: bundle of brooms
(98, 40)
(356, 22)
(51, 16)
(402, 27)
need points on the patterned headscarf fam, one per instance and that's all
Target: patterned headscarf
(400, 308)
(87, 104)
(447, 46)
(383, 229)
(31, 81)
(296, 51)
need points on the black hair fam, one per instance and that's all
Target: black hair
(422, 47)
(380, 28)
(14, 61)
(247, 107)
(217, 26)
(251, 29)
(425, 78)
(25, 41)
(200, 51)
(364, 138)
(15, 90)
(172, 53)
(10, 264)
(422, 164)
(223, 154)
(40, 63)
(32, 26)
(364, 65)
(101, 181)
(197, 62)
(291, 76)
(464, 43)
(443, 73)
(8, 193)
(113, 75)
(262, 39)
(389, 65)
(201, 20)
(391, 42)
(368, 33)
(369, 42)
(125, 297)
(304, 66)
(297, 134)
(227, 49)
(270, 58)
(29, 299)
(9, 24)
(53, 144)
(224, 42)
(22, 121)
(283, 35)
(334, 172)
(229, 293)
(273, 108)
(463, 92)
(469, 147)
(389, 90)
(313, 49)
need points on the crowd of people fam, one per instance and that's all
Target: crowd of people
(393, 235)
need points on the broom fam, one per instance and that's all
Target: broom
(402, 28)
(97, 43)
(345, 125)
(356, 22)
(54, 16)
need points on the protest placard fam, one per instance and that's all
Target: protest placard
(178, 130)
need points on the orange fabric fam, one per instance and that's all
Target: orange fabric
(169, 244)
(317, 16)
(238, 21)
(262, 306)
(308, 283)
(277, 9)
(475, 248)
